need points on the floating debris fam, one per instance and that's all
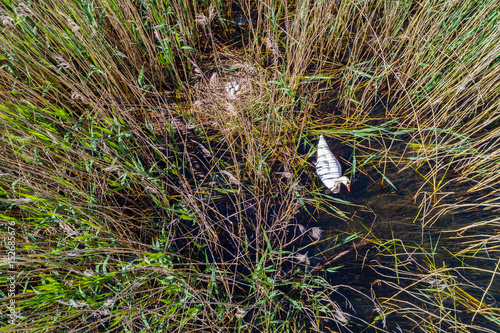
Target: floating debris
(231, 178)
(316, 233)
(302, 258)
(151, 190)
(111, 169)
(240, 313)
(204, 150)
(328, 168)
(285, 174)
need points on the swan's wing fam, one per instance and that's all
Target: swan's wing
(327, 167)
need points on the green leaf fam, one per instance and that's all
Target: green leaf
(333, 269)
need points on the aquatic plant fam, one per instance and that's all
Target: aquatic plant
(138, 195)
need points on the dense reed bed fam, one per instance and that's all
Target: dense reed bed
(137, 195)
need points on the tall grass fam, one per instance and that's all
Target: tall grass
(144, 198)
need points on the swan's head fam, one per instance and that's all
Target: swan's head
(346, 182)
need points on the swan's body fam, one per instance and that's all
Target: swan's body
(328, 168)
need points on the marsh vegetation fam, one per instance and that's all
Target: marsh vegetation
(143, 197)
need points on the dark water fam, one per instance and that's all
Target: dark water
(415, 268)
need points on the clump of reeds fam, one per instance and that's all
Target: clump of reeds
(144, 197)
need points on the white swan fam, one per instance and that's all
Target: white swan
(328, 168)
